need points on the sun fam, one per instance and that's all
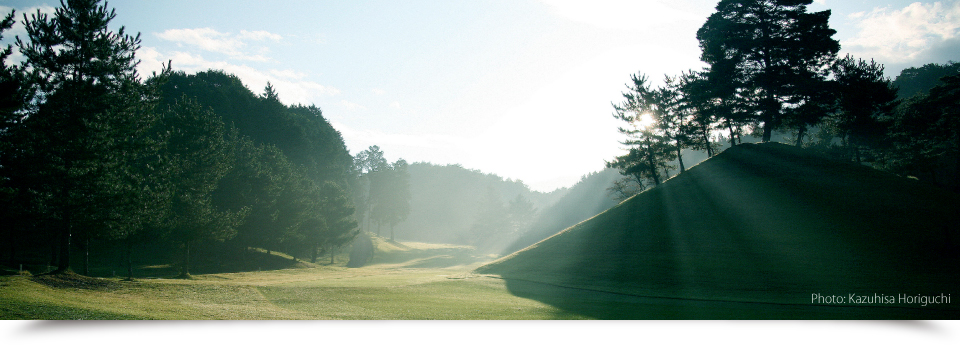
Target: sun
(645, 121)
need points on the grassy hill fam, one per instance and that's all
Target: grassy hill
(763, 224)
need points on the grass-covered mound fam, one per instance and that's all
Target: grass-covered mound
(760, 223)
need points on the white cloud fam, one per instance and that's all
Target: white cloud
(378, 91)
(292, 86)
(208, 39)
(395, 104)
(904, 35)
(259, 35)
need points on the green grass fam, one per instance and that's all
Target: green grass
(765, 224)
(403, 283)
(749, 234)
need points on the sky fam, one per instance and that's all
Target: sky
(518, 88)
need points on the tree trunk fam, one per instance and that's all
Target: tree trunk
(185, 268)
(767, 130)
(800, 132)
(654, 171)
(86, 256)
(129, 259)
(333, 253)
(313, 254)
(63, 260)
(733, 139)
(680, 159)
(706, 140)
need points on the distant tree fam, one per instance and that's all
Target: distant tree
(390, 195)
(625, 188)
(369, 164)
(863, 98)
(73, 146)
(521, 213)
(767, 49)
(491, 222)
(919, 80)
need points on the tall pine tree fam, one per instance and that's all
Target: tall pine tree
(770, 51)
(74, 146)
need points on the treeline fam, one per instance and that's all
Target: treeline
(773, 66)
(97, 163)
(455, 205)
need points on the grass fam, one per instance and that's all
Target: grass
(765, 224)
(403, 283)
(752, 233)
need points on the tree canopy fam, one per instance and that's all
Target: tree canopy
(773, 54)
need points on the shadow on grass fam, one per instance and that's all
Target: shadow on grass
(614, 306)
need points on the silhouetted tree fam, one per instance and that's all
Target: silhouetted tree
(863, 97)
(926, 135)
(13, 100)
(767, 49)
(73, 146)
(700, 108)
(649, 151)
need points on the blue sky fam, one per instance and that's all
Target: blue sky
(519, 88)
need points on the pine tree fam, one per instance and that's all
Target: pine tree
(863, 96)
(199, 148)
(74, 147)
(768, 51)
(338, 225)
(650, 150)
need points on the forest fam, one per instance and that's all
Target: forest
(109, 173)
(101, 166)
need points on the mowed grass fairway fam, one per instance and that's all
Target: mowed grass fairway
(407, 282)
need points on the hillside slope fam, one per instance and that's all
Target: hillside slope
(587, 198)
(765, 223)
